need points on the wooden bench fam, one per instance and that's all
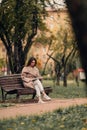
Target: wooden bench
(12, 84)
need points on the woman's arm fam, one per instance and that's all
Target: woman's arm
(24, 74)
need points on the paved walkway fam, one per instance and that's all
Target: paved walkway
(36, 108)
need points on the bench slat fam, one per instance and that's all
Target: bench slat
(10, 83)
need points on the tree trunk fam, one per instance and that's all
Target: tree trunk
(58, 80)
(47, 62)
(65, 77)
(18, 57)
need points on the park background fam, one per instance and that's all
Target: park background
(55, 47)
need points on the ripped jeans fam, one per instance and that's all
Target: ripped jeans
(38, 87)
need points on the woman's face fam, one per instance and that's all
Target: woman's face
(32, 63)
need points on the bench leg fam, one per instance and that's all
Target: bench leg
(17, 96)
(3, 98)
(34, 94)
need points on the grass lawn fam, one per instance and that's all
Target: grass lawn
(71, 91)
(73, 118)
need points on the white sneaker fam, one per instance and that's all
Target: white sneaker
(46, 97)
(40, 101)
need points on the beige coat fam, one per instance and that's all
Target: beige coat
(29, 74)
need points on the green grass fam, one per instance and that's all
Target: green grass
(71, 91)
(7, 104)
(73, 118)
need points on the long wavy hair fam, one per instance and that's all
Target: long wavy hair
(32, 59)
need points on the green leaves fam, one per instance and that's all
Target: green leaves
(19, 22)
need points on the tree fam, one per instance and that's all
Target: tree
(65, 50)
(61, 49)
(19, 22)
(57, 68)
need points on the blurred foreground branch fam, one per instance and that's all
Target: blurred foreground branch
(78, 13)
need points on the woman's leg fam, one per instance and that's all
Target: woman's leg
(40, 86)
(40, 89)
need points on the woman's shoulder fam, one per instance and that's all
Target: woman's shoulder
(25, 68)
(36, 68)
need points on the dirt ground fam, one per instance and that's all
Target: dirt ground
(33, 108)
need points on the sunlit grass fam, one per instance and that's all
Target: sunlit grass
(71, 91)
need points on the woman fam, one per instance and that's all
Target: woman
(32, 78)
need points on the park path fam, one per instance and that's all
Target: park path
(34, 108)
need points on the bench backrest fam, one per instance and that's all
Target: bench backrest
(13, 80)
